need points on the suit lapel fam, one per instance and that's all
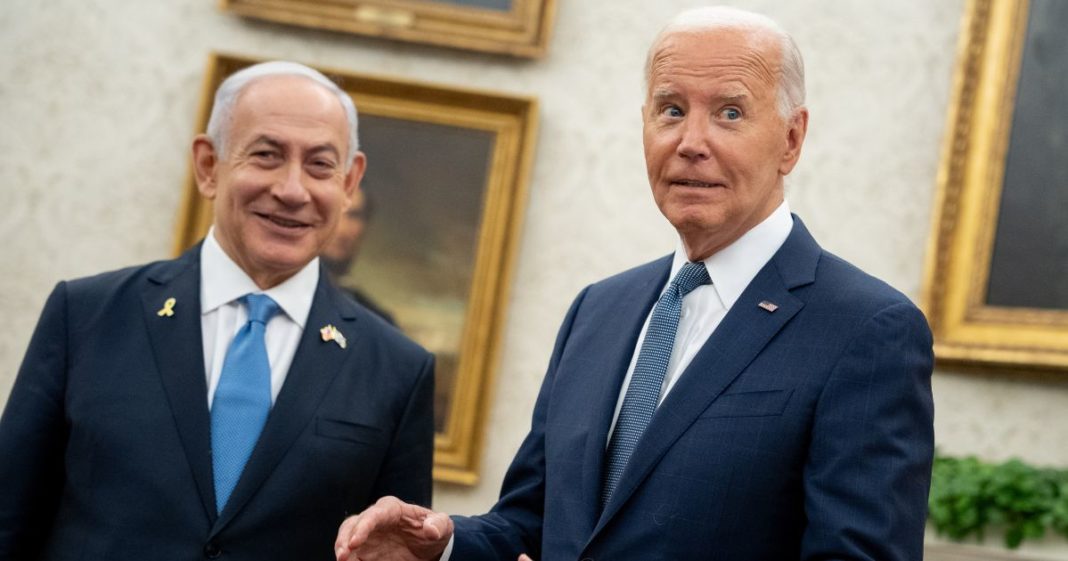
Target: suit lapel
(741, 336)
(177, 347)
(616, 344)
(315, 365)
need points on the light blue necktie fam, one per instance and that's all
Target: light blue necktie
(643, 394)
(242, 398)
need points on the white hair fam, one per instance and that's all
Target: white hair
(791, 87)
(232, 87)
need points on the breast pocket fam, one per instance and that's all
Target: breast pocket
(749, 404)
(339, 429)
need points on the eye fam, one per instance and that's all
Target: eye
(731, 114)
(266, 156)
(672, 111)
(322, 168)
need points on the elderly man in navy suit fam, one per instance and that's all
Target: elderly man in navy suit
(230, 403)
(749, 398)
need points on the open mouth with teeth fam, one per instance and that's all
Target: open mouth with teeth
(282, 222)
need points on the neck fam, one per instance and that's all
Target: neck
(265, 281)
(702, 243)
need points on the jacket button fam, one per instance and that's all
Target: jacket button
(212, 551)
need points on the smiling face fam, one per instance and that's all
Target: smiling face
(716, 147)
(279, 191)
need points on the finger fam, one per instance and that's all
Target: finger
(381, 513)
(437, 526)
(344, 533)
(524, 557)
(387, 513)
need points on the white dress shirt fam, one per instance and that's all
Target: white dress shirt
(731, 270)
(222, 284)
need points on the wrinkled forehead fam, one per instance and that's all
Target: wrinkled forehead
(753, 53)
(294, 103)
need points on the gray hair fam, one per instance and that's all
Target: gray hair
(231, 88)
(791, 90)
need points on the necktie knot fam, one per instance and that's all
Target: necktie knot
(691, 276)
(261, 308)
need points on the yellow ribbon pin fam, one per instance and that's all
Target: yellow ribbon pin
(168, 308)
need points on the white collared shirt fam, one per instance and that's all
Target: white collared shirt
(222, 284)
(731, 270)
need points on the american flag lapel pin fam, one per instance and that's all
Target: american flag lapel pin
(768, 306)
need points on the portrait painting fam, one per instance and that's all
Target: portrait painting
(424, 185)
(438, 213)
(511, 27)
(997, 275)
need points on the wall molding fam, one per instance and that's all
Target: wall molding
(955, 552)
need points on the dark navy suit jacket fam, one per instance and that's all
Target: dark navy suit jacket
(105, 440)
(803, 433)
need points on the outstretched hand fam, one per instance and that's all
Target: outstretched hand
(392, 530)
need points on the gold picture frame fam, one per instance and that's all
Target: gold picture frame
(519, 28)
(482, 219)
(971, 216)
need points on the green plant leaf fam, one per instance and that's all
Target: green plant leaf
(969, 496)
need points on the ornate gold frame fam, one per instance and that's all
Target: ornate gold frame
(522, 31)
(513, 122)
(966, 329)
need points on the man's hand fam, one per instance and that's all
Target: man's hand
(392, 530)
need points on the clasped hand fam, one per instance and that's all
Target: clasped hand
(393, 530)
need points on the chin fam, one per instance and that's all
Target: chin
(693, 220)
(285, 259)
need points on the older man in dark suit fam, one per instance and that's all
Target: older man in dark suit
(749, 398)
(230, 403)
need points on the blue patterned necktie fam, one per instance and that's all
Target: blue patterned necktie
(643, 393)
(242, 398)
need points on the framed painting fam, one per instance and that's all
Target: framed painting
(996, 287)
(513, 27)
(447, 180)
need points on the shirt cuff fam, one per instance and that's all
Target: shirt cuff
(448, 549)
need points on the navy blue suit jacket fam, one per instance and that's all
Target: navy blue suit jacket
(800, 434)
(106, 441)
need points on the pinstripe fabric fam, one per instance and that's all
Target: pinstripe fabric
(643, 393)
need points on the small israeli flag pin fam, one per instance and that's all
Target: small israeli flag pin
(331, 333)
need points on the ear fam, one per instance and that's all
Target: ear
(795, 137)
(354, 176)
(205, 161)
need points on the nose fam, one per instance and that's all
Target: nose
(696, 140)
(290, 189)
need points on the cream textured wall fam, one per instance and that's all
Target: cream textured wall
(98, 100)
